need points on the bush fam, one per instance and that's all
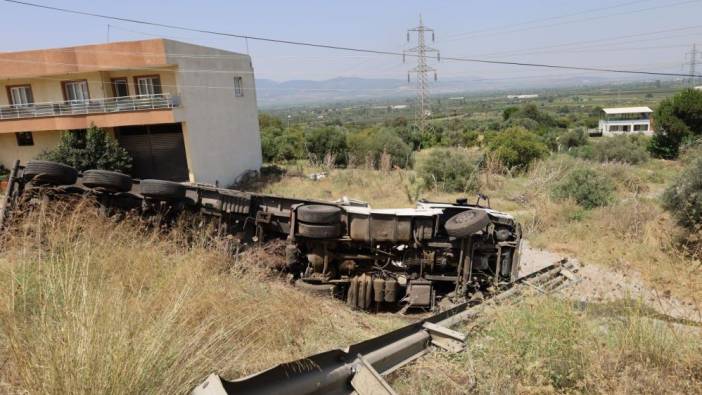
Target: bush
(267, 120)
(516, 148)
(684, 197)
(677, 120)
(624, 149)
(282, 144)
(92, 149)
(572, 138)
(587, 187)
(460, 138)
(450, 170)
(370, 146)
(328, 141)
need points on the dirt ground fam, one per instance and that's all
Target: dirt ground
(600, 284)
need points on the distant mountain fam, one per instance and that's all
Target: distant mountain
(273, 93)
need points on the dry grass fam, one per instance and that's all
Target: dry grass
(92, 306)
(546, 346)
(632, 233)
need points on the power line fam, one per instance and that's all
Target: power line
(451, 36)
(342, 48)
(579, 20)
(606, 40)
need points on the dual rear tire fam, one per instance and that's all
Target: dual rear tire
(318, 221)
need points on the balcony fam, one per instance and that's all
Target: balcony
(93, 106)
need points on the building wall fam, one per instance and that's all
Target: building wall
(10, 151)
(604, 127)
(220, 130)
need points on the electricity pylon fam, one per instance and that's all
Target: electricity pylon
(422, 70)
(692, 56)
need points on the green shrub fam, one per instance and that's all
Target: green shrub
(266, 120)
(587, 187)
(625, 149)
(677, 120)
(282, 144)
(92, 149)
(684, 197)
(330, 140)
(516, 148)
(572, 138)
(374, 143)
(460, 138)
(450, 170)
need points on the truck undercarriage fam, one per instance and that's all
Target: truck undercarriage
(374, 259)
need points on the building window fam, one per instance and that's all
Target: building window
(641, 128)
(20, 95)
(149, 85)
(120, 87)
(238, 87)
(619, 128)
(76, 91)
(24, 139)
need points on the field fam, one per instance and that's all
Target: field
(89, 305)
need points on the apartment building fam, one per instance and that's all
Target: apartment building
(625, 120)
(184, 112)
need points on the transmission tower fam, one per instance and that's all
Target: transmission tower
(692, 62)
(422, 70)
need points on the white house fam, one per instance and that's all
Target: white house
(522, 97)
(625, 120)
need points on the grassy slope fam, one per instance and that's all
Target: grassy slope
(634, 232)
(547, 346)
(88, 306)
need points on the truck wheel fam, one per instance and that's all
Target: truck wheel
(162, 190)
(314, 231)
(112, 181)
(319, 214)
(466, 223)
(51, 173)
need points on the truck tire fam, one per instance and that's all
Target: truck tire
(162, 190)
(466, 223)
(52, 173)
(319, 214)
(112, 181)
(315, 231)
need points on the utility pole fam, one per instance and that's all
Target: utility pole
(692, 56)
(422, 70)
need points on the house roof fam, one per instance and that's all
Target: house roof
(626, 110)
(121, 55)
(83, 58)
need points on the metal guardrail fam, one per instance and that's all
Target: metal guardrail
(358, 369)
(90, 106)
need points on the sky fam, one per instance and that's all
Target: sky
(651, 35)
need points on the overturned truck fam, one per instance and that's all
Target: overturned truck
(374, 259)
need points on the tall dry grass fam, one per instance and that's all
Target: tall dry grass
(88, 305)
(548, 346)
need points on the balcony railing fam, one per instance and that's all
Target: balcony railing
(91, 106)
